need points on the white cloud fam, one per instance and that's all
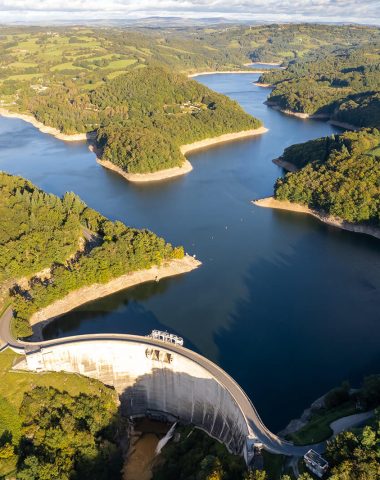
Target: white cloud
(365, 11)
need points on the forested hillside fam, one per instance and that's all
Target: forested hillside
(142, 117)
(116, 81)
(67, 243)
(68, 437)
(339, 175)
(57, 425)
(149, 114)
(343, 84)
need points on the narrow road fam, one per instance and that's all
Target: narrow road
(271, 442)
(351, 421)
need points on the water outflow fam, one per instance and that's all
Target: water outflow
(165, 439)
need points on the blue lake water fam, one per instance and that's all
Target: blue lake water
(287, 305)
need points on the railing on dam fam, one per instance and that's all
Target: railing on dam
(166, 337)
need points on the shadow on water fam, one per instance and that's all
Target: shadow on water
(298, 333)
(120, 312)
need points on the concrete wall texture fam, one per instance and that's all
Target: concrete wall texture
(153, 379)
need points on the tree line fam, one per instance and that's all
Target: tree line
(41, 231)
(343, 84)
(339, 175)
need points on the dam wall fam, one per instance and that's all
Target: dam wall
(154, 378)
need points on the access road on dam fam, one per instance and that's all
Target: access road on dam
(255, 429)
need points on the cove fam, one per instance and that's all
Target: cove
(286, 305)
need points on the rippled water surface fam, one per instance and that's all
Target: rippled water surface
(287, 305)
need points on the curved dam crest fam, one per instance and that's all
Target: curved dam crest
(163, 380)
(151, 379)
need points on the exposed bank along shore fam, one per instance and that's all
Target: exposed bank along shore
(317, 116)
(311, 116)
(186, 167)
(214, 72)
(271, 202)
(271, 64)
(263, 85)
(251, 70)
(160, 175)
(290, 167)
(78, 137)
(87, 294)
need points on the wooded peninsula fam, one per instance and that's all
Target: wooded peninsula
(52, 246)
(339, 175)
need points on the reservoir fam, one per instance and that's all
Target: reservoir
(288, 306)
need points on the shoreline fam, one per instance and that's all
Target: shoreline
(271, 202)
(272, 64)
(346, 126)
(311, 116)
(186, 167)
(298, 423)
(75, 299)
(336, 426)
(225, 138)
(263, 85)
(158, 176)
(302, 115)
(288, 166)
(76, 137)
(214, 72)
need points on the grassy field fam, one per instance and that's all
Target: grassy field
(121, 64)
(32, 58)
(24, 76)
(65, 66)
(318, 428)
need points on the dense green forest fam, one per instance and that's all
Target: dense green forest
(81, 79)
(339, 175)
(355, 455)
(150, 113)
(56, 422)
(343, 83)
(66, 437)
(76, 244)
(142, 117)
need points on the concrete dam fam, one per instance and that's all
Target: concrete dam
(156, 378)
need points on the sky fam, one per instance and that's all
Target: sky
(362, 11)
